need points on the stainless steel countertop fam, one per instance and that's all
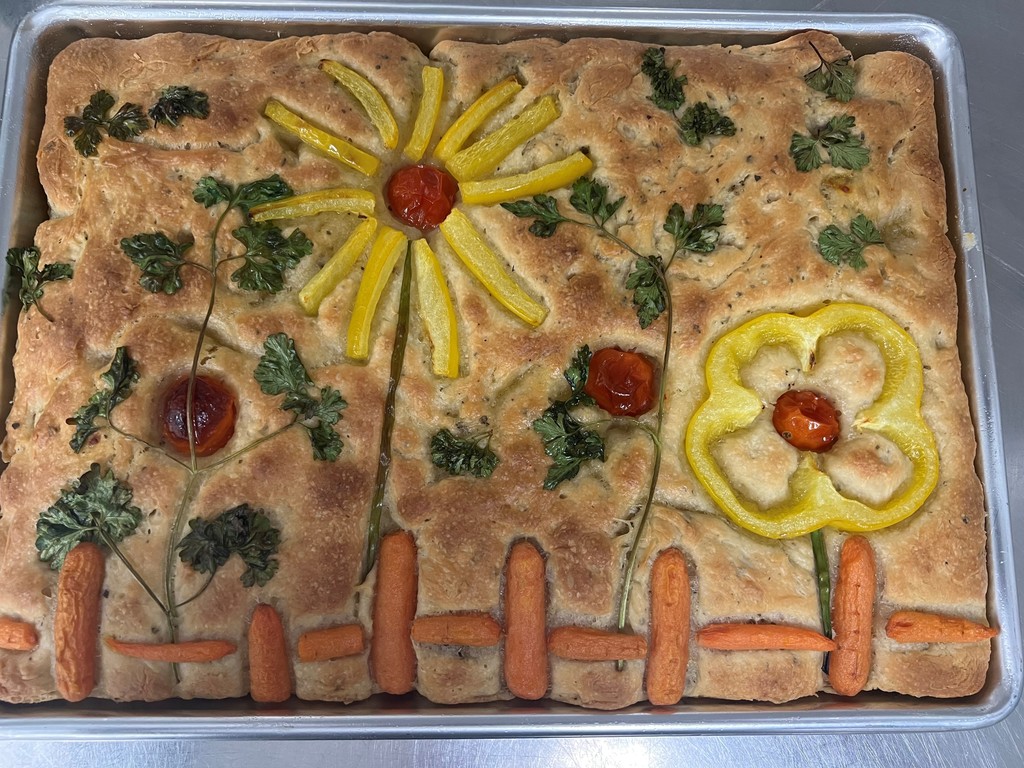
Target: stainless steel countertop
(988, 32)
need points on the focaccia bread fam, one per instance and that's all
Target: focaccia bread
(454, 558)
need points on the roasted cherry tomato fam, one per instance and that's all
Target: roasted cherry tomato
(806, 420)
(622, 383)
(421, 196)
(213, 415)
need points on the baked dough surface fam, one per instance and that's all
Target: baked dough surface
(766, 261)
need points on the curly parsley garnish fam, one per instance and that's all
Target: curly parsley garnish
(700, 121)
(96, 508)
(566, 439)
(838, 247)
(834, 78)
(177, 102)
(844, 149)
(463, 456)
(119, 379)
(24, 262)
(666, 86)
(700, 233)
(209, 192)
(268, 254)
(281, 372)
(160, 260)
(588, 197)
(127, 122)
(241, 531)
(650, 296)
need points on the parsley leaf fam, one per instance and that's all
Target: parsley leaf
(543, 208)
(567, 442)
(463, 456)
(24, 262)
(241, 531)
(119, 379)
(160, 260)
(700, 234)
(666, 87)
(127, 122)
(647, 281)
(209, 191)
(281, 372)
(838, 247)
(844, 149)
(834, 78)
(268, 253)
(700, 121)
(591, 199)
(576, 374)
(177, 102)
(97, 508)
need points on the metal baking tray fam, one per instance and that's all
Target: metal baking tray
(52, 26)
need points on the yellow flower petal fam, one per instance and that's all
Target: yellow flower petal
(337, 268)
(386, 250)
(485, 265)
(426, 118)
(367, 95)
(332, 146)
(544, 179)
(338, 200)
(482, 157)
(468, 122)
(436, 310)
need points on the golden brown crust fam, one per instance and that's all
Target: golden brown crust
(766, 260)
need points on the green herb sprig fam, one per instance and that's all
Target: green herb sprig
(666, 86)
(839, 248)
(844, 149)
(176, 102)
(699, 121)
(463, 455)
(241, 531)
(129, 121)
(24, 263)
(835, 78)
(118, 381)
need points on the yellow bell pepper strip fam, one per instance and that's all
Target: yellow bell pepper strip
(323, 283)
(487, 267)
(426, 117)
(482, 157)
(387, 249)
(366, 94)
(467, 123)
(813, 501)
(560, 173)
(338, 200)
(333, 146)
(436, 310)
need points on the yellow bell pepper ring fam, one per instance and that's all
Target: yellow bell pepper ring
(813, 501)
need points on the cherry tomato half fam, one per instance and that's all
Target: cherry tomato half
(806, 420)
(621, 382)
(213, 415)
(421, 196)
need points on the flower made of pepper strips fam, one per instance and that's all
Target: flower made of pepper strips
(813, 500)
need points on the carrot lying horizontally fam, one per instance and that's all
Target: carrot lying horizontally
(332, 643)
(270, 678)
(670, 628)
(17, 635)
(190, 651)
(77, 620)
(478, 630)
(526, 653)
(586, 644)
(853, 607)
(392, 657)
(762, 637)
(921, 627)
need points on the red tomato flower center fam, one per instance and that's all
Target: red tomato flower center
(621, 382)
(806, 420)
(213, 415)
(421, 196)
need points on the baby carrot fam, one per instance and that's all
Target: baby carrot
(921, 627)
(392, 657)
(587, 644)
(269, 676)
(17, 635)
(190, 651)
(853, 609)
(478, 630)
(526, 653)
(762, 637)
(77, 620)
(332, 643)
(670, 628)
